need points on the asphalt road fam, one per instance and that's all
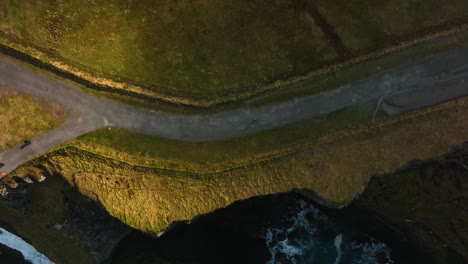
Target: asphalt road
(425, 82)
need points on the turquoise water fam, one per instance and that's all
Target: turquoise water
(314, 237)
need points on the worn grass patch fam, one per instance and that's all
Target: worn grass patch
(23, 117)
(336, 169)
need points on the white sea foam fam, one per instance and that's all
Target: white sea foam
(284, 246)
(370, 251)
(337, 243)
(311, 247)
(292, 250)
(29, 252)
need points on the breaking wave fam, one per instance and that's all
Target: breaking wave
(313, 237)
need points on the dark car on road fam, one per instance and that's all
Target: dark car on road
(25, 144)
(2, 164)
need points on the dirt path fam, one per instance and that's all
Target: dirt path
(428, 81)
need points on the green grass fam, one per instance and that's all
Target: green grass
(364, 25)
(162, 152)
(149, 198)
(361, 71)
(23, 117)
(204, 52)
(196, 48)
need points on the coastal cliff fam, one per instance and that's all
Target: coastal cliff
(425, 203)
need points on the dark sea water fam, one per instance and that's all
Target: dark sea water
(282, 229)
(314, 237)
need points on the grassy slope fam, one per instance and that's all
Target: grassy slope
(150, 198)
(196, 48)
(23, 117)
(364, 25)
(212, 156)
(349, 73)
(213, 49)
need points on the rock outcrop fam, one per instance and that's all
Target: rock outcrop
(59, 221)
(425, 204)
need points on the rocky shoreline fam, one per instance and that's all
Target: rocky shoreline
(390, 210)
(234, 234)
(58, 221)
(8, 255)
(426, 204)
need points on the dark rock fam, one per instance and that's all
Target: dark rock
(295, 234)
(381, 258)
(363, 240)
(311, 219)
(281, 258)
(234, 234)
(85, 225)
(281, 237)
(8, 255)
(421, 210)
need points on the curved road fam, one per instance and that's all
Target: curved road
(428, 81)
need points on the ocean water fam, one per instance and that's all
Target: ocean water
(313, 237)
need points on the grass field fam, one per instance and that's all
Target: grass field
(23, 117)
(197, 52)
(364, 25)
(194, 48)
(334, 167)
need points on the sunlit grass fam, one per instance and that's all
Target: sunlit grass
(217, 155)
(336, 169)
(23, 117)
